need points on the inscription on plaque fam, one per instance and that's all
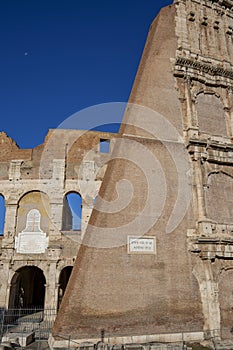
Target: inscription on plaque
(142, 245)
(32, 240)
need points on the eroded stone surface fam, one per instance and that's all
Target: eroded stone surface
(183, 289)
(34, 184)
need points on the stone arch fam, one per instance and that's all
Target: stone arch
(219, 198)
(72, 212)
(2, 214)
(226, 303)
(196, 91)
(63, 281)
(211, 114)
(33, 200)
(27, 288)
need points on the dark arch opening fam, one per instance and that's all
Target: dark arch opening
(63, 281)
(27, 288)
(2, 214)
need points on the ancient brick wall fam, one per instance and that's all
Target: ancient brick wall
(182, 134)
(34, 183)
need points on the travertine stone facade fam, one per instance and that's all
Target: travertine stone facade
(203, 68)
(37, 248)
(185, 285)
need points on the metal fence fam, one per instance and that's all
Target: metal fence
(15, 322)
(18, 323)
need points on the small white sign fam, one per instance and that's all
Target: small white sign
(142, 245)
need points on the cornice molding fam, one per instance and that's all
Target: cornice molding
(203, 67)
(212, 152)
(226, 4)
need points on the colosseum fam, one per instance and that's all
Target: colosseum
(153, 261)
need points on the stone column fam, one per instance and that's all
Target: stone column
(56, 198)
(192, 123)
(86, 213)
(56, 208)
(51, 288)
(10, 219)
(10, 274)
(5, 278)
(181, 25)
(199, 190)
(209, 297)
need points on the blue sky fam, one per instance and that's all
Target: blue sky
(60, 56)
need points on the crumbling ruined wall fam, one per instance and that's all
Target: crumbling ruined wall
(34, 183)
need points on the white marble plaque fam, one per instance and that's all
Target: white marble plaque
(31, 243)
(32, 240)
(141, 245)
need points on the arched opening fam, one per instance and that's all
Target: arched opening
(33, 200)
(27, 288)
(2, 214)
(211, 115)
(72, 212)
(225, 303)
(219, 201)
(63, 280)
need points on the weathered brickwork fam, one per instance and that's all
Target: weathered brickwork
(154, 259)
(185, 284)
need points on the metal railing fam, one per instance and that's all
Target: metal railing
(22, 321)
